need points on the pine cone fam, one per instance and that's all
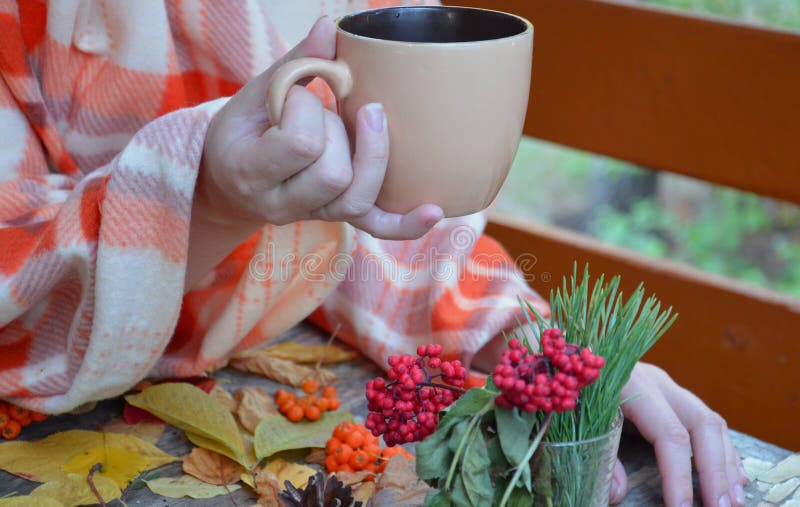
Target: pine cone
(319, 493)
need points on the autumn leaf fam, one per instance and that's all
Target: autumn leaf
(267, 487)
(316, 456)
(254, 405)
(363, 491)
(212, 468)
(192, 410)
(119, 465)
(42, 460)
(276, 433)
(399, 484)
(186, 485)
(74, 490)
(224, 398)
(353, 478)
(279, 370)
(30, 501)
(148, 431)
(285, 471)
(310, 354)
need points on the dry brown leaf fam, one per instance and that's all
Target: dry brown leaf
(363, 491)
(224, 398)
(353, 478)
(254, 405)
(212, 468)
(316, 456)
(267, 487)
(279, 370)
(310, 354)
(146, 430)
(399, 484)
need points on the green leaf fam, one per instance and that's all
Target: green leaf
(456, 434)
(466, 406)
(475, 470)
(459, 495)
(434, 456)
(275, 433)
(438, 499)
(189, 408)
(514, 432)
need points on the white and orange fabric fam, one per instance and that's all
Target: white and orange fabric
(104, 106)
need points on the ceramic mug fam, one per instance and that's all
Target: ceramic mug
(454, 83)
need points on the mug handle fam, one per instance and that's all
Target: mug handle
(335, 72)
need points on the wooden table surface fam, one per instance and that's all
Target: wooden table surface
(635, 453)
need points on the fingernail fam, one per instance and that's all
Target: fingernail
(376, 118)
(724, 501)
(738, 494)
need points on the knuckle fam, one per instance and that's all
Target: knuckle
(335, 181)
(356, 207)
(305, 145)
(714, 421)
(677, 435)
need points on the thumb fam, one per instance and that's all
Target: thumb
(319, 43)
(619, 484)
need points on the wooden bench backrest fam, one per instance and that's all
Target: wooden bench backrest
(706, 98)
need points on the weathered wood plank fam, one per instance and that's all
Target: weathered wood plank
(707, 98)
(734, 345)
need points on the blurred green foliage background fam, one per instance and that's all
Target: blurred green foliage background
(717, 229)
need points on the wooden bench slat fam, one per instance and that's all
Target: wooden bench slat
(710, 99)
(735, 346)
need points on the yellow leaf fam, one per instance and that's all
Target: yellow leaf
(146, 430)
(41, 461)
(300, 353)
(119, 465)
(267, 487)
(192, 410)
(248, 460)
(186, 485)
(74, 490)
(254, 405)
(279, 370)
(30, 501)
(212, 468)
(363, 491)
(298, 475)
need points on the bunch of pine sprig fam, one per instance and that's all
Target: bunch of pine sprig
(619, 330)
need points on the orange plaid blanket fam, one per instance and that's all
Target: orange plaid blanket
(104, 107)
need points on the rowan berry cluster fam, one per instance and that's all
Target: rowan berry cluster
(549, 381)
(308, 407)
(14, 418)
(406, 409)
(353, 448)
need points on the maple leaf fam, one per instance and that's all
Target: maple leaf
(212, 468)
(279, 370)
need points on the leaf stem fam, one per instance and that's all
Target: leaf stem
(527, 458)
(473, 421)
(90, 480)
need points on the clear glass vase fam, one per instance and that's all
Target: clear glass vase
(576, 474)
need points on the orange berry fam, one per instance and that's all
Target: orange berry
(355, 439)
(303, 402)
(321, 404)
(287, 405)
(38, 416)
(341, 430)
(19, 413)
(331, 464)
(346, 468)
(282, 396)
(358, 460)
(371, 467)
(310, 386)
(4, 420)
(12, 430)
(312, 413)
(333, 404)
(372, 450)
(332, 444)
(343, 454)
(25, 421)
(329, 392)
(295, 413)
